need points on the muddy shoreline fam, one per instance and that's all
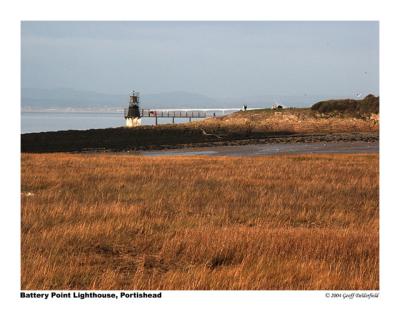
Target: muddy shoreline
(255, 150)
(153, 138)
(284, 139)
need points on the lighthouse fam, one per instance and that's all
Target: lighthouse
(132, 114)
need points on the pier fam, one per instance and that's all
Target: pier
(181, 113)
(134, 113)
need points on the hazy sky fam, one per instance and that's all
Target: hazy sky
(218, 59)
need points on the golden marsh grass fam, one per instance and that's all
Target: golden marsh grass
(101, 222)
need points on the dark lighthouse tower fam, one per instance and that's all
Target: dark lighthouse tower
(132, 114)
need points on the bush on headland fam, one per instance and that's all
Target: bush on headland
(367, 105)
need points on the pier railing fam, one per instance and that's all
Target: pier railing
(149, 113)
(172, 114)
(183, 113)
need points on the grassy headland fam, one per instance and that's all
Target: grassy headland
(130, 222)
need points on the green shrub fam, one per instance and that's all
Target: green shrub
(370, 104)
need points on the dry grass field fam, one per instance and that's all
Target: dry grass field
(130, 222)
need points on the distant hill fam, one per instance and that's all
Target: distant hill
(178, 100)
(32, 99)
(67, 98)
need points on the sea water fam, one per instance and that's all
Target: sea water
(33, 122)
